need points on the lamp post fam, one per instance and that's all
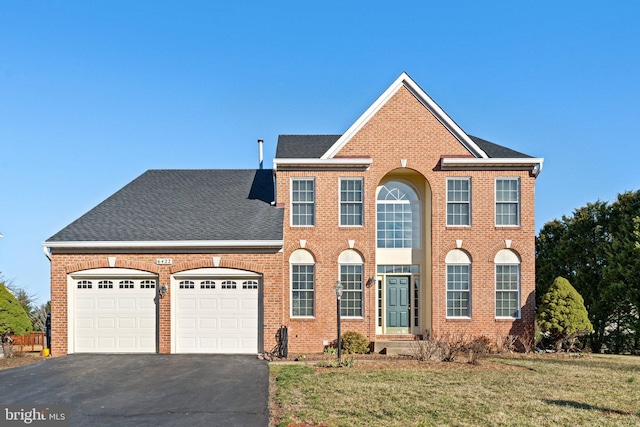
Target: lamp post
(338, 290)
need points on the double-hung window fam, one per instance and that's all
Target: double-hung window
(303, 199)
(351, 265)
(507, 284)
(351, 202)
(302, 284)
(458, 201)
(508, 201)
(458, 284)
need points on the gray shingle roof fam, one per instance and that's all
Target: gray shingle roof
(304, 146)
(497, 151)
(314, 146)
(166, 205)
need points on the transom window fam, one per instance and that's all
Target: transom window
(351, 201)
(458, 201)
(207, 284)
(458, 284)
(105, 284)
(228, 284)
(148, 284)
(351, 266)
(507, 284)
(126, 284)
(303, 201)
(250, 284)
(507, 201)
(186, 284)
(398, 216)
(302, 284)
(85, 284)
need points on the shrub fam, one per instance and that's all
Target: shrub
(13, 319)
(562, 313)
(424, 350)
(354, 342)
(478, 348)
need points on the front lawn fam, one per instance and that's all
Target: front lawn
(518, 391)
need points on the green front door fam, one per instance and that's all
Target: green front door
(397, 305)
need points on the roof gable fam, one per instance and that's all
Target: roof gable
(405, 81)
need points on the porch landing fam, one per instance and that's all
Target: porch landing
(399, 344)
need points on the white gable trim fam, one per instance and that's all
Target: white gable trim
(406, 81)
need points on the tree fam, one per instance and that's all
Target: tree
(562, 313)
(13, 319)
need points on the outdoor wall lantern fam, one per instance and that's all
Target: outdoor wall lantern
(338, 290)
(163, 290)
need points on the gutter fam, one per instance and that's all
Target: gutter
(335, 163)
(47, 251)
(533, 164)
(164, 244)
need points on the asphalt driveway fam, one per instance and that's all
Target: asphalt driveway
(146, 390)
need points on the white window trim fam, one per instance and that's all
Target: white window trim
(417, 202)
(315, 198)
(495, 292)
(361, 179)
(458, 178)
(495, 202)
(315, 305)
(458, 257)
(351, 257)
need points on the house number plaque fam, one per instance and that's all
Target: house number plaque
(164, 261)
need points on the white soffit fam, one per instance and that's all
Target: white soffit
(406, 81)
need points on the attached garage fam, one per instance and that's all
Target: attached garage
(215, 310)
(112, 311)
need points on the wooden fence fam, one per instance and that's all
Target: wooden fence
(33, 341)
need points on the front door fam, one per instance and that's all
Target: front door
(397, 305)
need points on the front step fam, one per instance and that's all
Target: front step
(393, 347)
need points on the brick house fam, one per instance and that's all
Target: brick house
(426, 228)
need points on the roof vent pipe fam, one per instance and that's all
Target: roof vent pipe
(260, 152)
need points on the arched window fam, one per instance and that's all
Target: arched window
(398, 216)
(507, 284)
(302, 284)
(351, 266)
(458, 284)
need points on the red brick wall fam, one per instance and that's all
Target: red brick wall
(268, 264)
(404, 129)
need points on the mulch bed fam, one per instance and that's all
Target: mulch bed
(20, 359)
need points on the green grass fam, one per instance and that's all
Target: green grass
(594, 390)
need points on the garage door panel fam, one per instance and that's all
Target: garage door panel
(108, 323)
(115, 319)
(226, 318)
(127, 303)
(208, 303)
(228, 304)
(85, 303)
(208, 323)
(187, 303)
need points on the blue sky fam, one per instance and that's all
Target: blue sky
(92, 94)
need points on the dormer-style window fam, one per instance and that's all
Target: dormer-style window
(303, 200)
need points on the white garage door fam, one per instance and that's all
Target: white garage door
(114, 316)
(216, 316)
